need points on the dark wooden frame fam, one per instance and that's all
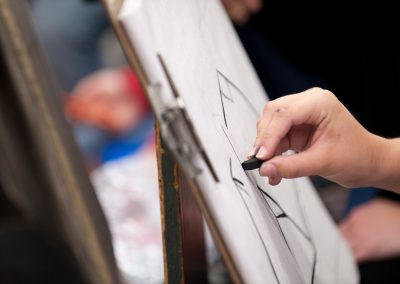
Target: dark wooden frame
(41, 170)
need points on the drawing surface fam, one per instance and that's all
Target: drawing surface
(281, 234)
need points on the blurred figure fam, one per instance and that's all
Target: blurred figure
(371, 230)
(111, 99)
(109, 113)
(111, 104)
(110, 119)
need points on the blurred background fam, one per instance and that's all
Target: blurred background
(349, 47)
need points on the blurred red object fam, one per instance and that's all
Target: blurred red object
(111, 99)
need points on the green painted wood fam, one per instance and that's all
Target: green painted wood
(170, 214)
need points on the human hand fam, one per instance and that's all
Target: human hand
(327, 139)
(105, 99)
(241, 10)
(373, 229)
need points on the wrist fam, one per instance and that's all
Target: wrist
(386, 171)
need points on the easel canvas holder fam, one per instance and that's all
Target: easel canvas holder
(207, 98)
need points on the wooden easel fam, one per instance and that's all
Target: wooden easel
(40, 168)
(182, 223)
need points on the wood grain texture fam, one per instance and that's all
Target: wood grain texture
(182, 223)
(171, 221)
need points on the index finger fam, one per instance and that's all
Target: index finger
(281, 115)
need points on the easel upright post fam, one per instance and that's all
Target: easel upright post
(182, 223)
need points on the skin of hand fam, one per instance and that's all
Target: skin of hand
(327, 140)
(103, 99)
(373, 229)
(241, 10)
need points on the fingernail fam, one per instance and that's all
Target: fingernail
(268, 170)
(253, 152)
(262, 153)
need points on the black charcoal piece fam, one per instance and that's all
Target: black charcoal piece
(252, 164)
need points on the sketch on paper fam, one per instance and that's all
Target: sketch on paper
(230, 96)
(273, 235)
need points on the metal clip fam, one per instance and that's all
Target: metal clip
(176, 130)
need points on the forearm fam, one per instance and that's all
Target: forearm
(387, 172)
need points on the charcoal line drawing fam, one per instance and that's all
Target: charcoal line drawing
(227, 91)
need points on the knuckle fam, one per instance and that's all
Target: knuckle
(275, 108)
(262, 138)
(315, 89)
(326, 94)
(269, 106)
(281, 111)
(264, 134)
(331, 96)
(259, 141)
(319, 91)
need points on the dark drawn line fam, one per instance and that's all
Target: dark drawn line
(308, 228)
(229, 83)
(259, 235)
(314, 264)
(222, 100)
(283, 215)
(209, 165)
(284, 238)
(230, 167)
(277, 217)
(255, 225)
(305, 235)
(227, 97)
(281, 209)
(279, 226)
(240, 186)
(236, 180)
(240, 91)
(230, 142)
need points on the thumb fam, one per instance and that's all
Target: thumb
(302, 164)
